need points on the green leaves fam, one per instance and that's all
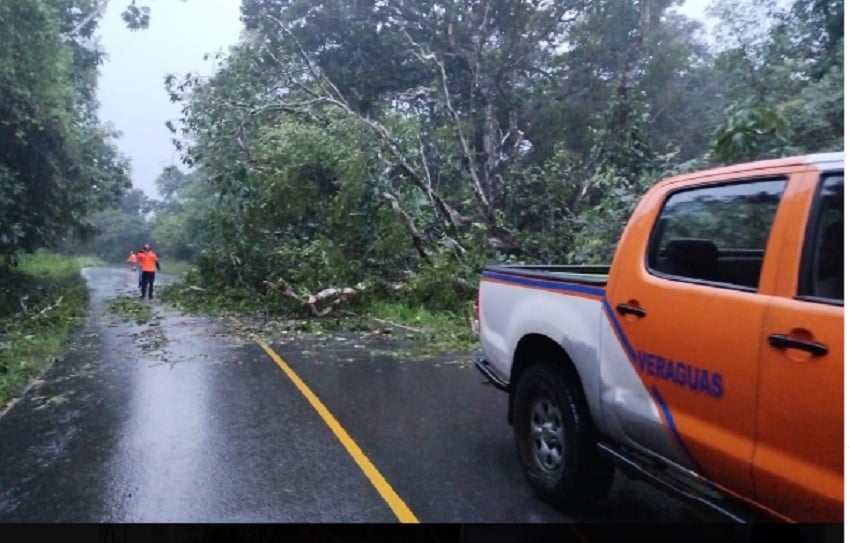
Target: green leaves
(39, 306)
(751, 130)
(136, 17)
(58, 162)
(783, 70)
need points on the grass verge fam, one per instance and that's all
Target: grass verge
(177, 268)
(42, 302)
(439, 331)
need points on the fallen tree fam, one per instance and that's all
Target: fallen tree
(333, 297)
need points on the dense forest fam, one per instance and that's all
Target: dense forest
(58, 163)
(393, 148)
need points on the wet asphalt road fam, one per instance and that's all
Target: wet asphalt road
(185, 419)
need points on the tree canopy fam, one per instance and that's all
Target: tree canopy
(403, 144)
(59, 162)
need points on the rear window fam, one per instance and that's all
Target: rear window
(716, 234)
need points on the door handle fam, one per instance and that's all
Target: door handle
(781, 341)
(626, 309)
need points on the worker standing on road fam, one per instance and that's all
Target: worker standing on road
(149, 264)
(132, 260)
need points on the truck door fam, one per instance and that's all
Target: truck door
(799, 457)
(689, 304)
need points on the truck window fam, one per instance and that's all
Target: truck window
(822, 267)
(715, 234)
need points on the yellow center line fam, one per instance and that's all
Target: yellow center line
(389, 495)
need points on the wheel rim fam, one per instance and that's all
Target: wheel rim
(547, 434)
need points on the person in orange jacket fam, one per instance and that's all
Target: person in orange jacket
(150, 265)
(132, 260)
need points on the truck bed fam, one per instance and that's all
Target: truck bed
(596, 276)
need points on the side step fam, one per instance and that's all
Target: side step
(633, 467)
(487, 370)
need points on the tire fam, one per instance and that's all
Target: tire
(556, 440)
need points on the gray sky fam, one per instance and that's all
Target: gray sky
(131, 90)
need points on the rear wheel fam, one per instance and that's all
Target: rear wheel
(556, 439)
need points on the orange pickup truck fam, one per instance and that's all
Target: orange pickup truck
(708, 358)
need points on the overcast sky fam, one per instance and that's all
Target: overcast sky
(131, 90)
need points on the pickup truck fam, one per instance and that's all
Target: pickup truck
(708, 358)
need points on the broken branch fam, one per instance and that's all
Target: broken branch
(415, 235)
(337, 295)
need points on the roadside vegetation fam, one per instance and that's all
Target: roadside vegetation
(432, 331)
(42, 302)
(177, 268)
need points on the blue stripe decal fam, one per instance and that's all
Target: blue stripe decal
(668, 416)
(609, 311)
(540, 283)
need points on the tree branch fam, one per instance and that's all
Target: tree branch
(98, 11)
(337, 296)
(469, 156)
(415, 235)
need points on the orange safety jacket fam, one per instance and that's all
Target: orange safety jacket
(147, 260)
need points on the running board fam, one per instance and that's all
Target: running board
(632, 467)
(486, 370)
